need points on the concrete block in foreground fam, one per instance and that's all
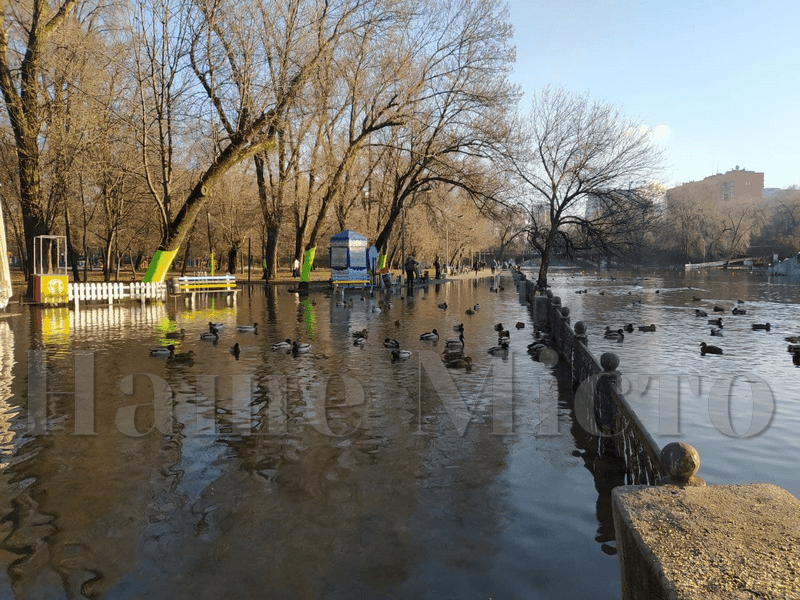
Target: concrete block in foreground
(734, 542)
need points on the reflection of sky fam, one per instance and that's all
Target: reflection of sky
(7, 413)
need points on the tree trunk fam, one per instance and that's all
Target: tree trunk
(233, 253)
(71, 254)
(271, 254)
(186, 253)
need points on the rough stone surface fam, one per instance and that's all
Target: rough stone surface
(726, 541)
(681, 462)
(609, 361)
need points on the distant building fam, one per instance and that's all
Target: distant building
(738, 183)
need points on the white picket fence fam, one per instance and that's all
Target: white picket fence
(115, 290)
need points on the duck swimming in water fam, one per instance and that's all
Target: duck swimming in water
(300, 347)
(184, 358)
(706, 349)
(700, 313)
(398, 354)
(210, 336)
(459, 343)
(284, 345)
(501, 348)
(163, 351)
(390, 343)
(761, 326)
(430, 336)
(459, 363)
(647, 327)
(615, 335)
(248, 328)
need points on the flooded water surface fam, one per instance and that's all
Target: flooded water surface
(740, 409)
(336, 473)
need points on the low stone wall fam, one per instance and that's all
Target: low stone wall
(711, 543)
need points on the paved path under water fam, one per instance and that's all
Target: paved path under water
(337, 473)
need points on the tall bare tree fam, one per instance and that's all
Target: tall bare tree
(586, 169)
(460, 118)
(25, 36)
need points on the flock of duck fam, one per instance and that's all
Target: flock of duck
(717, 325)
(212, 335)
(453, 356)
(716, 329)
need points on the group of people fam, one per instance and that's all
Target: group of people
(411, 267)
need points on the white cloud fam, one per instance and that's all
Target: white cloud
(661, 132)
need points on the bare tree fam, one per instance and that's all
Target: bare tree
(25, 36)
(587, 170)
(460, 119)
(782, 230)
(742, 218)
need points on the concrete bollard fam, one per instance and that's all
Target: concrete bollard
(681, 462)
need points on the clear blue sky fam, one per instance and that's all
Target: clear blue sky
(721, 79)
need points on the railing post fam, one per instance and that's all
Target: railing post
(580, 332)
(605, 407)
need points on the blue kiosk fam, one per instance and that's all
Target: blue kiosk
(350, 259)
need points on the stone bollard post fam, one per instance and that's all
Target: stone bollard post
(681, 462)
(580, 332)
(605, 409)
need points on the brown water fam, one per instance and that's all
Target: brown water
(332, 474)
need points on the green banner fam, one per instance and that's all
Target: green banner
(159, 266)
(381, 262)
(308, 260)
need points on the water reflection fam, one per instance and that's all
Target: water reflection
(736, 409)
(7, 411)
(337, 473)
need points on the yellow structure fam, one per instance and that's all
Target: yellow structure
(50, 279)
